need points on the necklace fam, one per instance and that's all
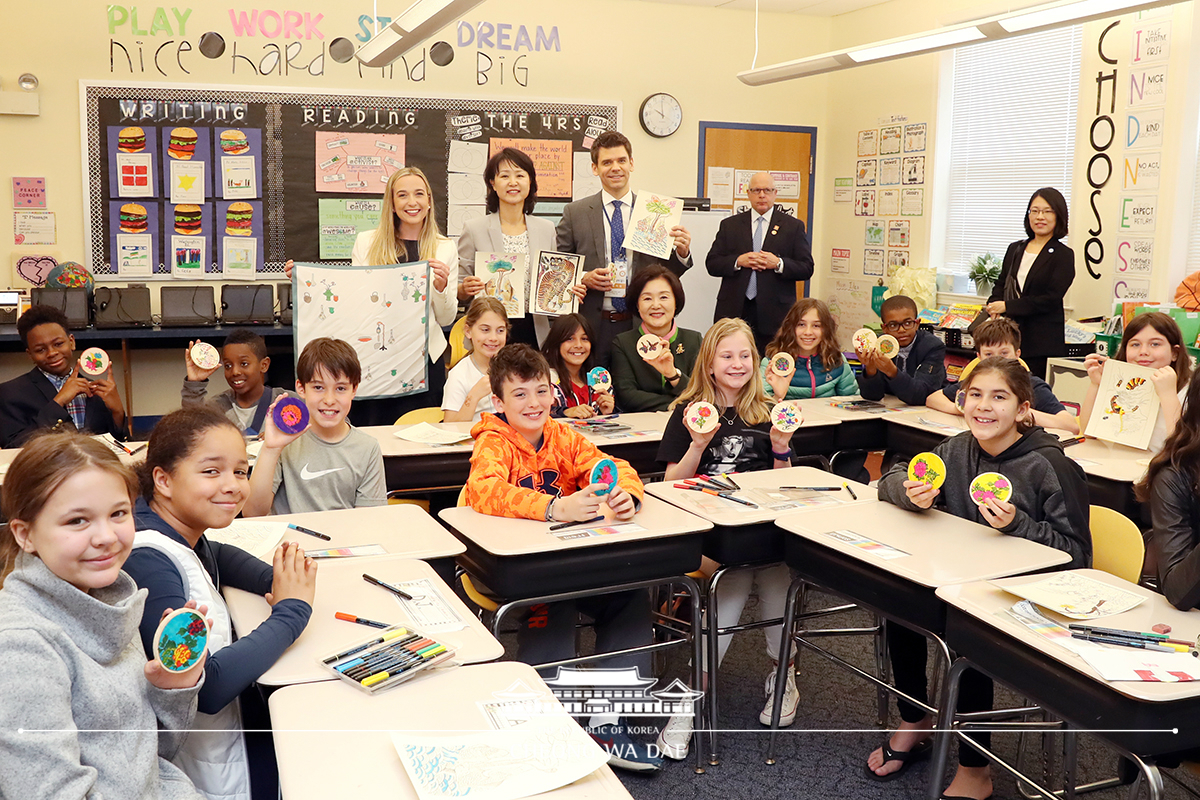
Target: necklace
(732, 416)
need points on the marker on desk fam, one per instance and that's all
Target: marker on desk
(560, 526)
(361, 621)
(732, 483)
(715, 493)
(1072, 440)
(393, 589)
(815, 488)
(384, 638)
(1153, 638)
(846, 486)
(1139, 644)
(309, 531)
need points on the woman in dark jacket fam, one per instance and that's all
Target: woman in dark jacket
(1036, 275)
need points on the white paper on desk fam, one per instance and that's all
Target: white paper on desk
(348, 552)
(543, 755)
(253, 448)
(1126, 406)
(602, 530)
(1130, 664)
(877, 549)
(467, 157)
(428, 610)
(109, 441)
(1075, 596)
(1028, 615)
(256, 537)
(940, 426)
(425, 433)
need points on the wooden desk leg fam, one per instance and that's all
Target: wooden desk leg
(128, 386)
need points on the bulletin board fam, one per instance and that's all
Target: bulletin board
(850, 303)
(223, 182)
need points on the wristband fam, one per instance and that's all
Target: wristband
(786, 455)
(550, 510)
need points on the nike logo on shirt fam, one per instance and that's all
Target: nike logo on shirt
(307, 475)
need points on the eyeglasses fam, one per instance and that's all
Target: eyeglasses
(1041, 212)
(760, 191)
(906, 325)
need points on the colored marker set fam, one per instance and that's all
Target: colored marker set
(392, 657)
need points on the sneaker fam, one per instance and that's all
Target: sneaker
(624, 752)
(675, 737)
(791, 699)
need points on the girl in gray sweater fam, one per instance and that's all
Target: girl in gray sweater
(82, 707)
(1048, 505)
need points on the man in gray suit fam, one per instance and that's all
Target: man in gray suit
(587, 227)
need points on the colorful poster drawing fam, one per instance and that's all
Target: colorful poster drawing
(551, 159)
(357, 162)
(654, 215)
(550, 289)
(503, 277)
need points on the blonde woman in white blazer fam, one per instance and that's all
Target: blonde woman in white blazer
(511, 228)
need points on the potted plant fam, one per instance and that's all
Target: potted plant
(985, 269)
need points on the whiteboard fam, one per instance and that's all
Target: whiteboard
(850, 303)
(700, 288)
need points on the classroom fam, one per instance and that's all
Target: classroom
(473, 471)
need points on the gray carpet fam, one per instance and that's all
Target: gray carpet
(813, 761)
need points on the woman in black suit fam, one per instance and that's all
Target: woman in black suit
(1036, 275)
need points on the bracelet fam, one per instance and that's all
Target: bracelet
(786, 455)
(550, 510)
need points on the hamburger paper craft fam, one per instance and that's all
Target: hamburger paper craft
(182, 144)
(599, 379)
(133, 218)
(650, 347)
(605, 471)
(205, 356)
(131, 140)
(990, 484)
(786, 417)
(927, 468)
(94, 362)
(290, 415)
(865, 340)
(887, 345)
(239, 218)
(701, 417)
(181, 640)
(783, 364)
(233, 143)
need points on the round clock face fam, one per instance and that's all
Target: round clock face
(661, 115)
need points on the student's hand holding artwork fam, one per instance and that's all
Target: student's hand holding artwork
(272, 436)
(581, 505)
(580, 412)
(700, 441)
(162, 678)
(295, 575)
(1165, 380)
(605, 402)
(779, 383)
(621, 503)
(470, 286)
(999, 514)
(441, 275)
(920, 493)
(75, 385)
(195, 373)
(884, 364)
(1094, 364)
(683, 241)
(106, 390)
(781, 441)
(599, 280)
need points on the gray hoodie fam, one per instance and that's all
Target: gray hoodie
(71, 678)
(1049, 490)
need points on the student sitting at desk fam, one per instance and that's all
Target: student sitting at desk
(744, 440)
(1170, 487)
(1001, 337)
(53, 394)
(568, 351)
(1049, 505)
(917, 370)
(247, 399)
(468, 393)
(528, 466)
(809, 335)
(329, 465)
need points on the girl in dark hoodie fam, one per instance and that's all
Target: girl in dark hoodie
(1049, 505)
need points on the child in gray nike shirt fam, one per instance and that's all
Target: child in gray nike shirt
(330, 465)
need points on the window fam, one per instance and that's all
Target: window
(1012, 131)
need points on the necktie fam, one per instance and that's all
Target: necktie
(752, 286)
(617, 239)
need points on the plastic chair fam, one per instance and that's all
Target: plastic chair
(431, 414)
(1117, 544)
(477, 597)
(458, 342)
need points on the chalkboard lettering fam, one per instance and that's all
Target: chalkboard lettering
(164, 111)
(358, 117)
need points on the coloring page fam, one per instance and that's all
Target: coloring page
(550, 289)
(650, 224)
(503, 277)
(1127, 405)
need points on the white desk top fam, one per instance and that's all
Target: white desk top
(340, 587)
(943, 549)
(9, 454)
(404, 530)
(729, 513)
(929, 420)
(351, 755)
(502, 536)
(644, 426)
(825, 407)
(986, 602)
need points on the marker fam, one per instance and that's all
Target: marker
(309, 532)
(1141, 645)
(563, 525)
(351, 618)
(1154, 638)
(853, 496)
(384, 638)
(393, 589)
(815, 488)
(732, 483)
(714, 493)
(1072, 440)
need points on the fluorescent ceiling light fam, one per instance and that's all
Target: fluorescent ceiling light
(916, 44)
(414, 25)
(1065, 12)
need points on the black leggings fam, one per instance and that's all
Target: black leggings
(907, 649)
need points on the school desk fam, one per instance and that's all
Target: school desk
(1141, 720)
(860, 429)
(332, 740)
(340, 587)
(746, 538)
(941, 549)
(9, 454)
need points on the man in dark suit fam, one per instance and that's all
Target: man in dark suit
(759, 255)
(587, 227)
(53, 394)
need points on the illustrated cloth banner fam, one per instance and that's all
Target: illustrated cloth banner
(382, 312)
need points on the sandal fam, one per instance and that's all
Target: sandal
(906, 758)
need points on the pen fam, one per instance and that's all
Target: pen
(1072, 440)
(732, 483)
(562, 525)
(384, 638)
(715, 493)
(1155, 638)
(393, 589)
(309, 531)
(1141, 645)
(360, 620)
(123, 447)
(853, 496)
(815, 488)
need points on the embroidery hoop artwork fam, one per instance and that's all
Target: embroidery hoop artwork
(180, 641)
(605, 472)
(94, 362)
(290, 415)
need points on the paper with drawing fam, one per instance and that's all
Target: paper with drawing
(503, 276)
(650, 224)
(1127, 405)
